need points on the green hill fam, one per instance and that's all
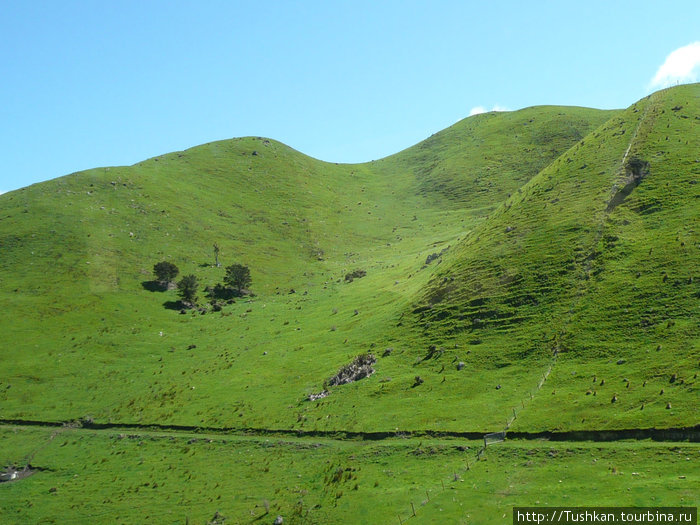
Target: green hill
(534, 269)
(81, 247)
(594, 260)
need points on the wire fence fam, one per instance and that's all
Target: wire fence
(490, 439)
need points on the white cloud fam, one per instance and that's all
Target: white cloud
(682, 65)
(476, 110)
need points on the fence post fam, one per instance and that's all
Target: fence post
(413, 509)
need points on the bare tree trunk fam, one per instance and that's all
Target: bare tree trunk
(216, 255)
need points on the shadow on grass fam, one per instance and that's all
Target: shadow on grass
(221, 292)
(174, 305)
(154, 286)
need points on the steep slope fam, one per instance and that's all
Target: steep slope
(589, 271)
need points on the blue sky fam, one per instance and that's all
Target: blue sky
(93, 83)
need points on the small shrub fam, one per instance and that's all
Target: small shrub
(430, 258)
(357, 274)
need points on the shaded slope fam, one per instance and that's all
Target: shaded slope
(479, 161)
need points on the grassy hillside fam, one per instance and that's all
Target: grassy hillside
(478, 162)
(81, 248)
(536, 270)
(594, 269)
(112, 477)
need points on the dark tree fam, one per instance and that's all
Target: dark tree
(187, 289)
(237, 276)
(165, 271)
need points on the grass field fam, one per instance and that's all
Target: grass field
(126, 477)
(535, 269)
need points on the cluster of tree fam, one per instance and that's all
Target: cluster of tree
(237, 279)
